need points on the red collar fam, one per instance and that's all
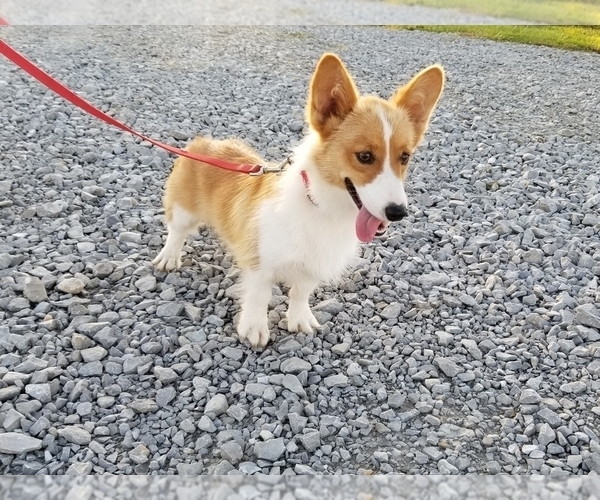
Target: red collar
(306, 181)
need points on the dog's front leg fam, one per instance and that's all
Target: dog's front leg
(299, 316)
(257, 289)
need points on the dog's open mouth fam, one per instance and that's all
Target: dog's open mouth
(367, 225)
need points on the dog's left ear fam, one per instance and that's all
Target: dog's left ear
(420, 95)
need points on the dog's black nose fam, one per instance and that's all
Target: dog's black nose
(395, 212)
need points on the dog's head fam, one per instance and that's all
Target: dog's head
(366, 143)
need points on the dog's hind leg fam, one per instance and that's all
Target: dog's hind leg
(299, 316)
(257, 290)
(181, 224)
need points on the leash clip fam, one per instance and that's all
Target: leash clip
(277, 169)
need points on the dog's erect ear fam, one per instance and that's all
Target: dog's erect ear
(420, 95)
(332, 95)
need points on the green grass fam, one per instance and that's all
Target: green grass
(540, 11)
(563, 37)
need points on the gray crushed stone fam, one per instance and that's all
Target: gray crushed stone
(464, 341)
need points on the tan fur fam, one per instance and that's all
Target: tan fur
(225, 201)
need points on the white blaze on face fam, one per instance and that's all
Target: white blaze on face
(387, 187)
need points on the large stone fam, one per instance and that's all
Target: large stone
(340, 349)
(448, 366)
(234, 353)
(35, 290)
(129, 237)
(529, 397)
(206, 424)
(391, 311)
(588, 315)
(92, 328)
(310, 440)
(146, 284)
(270, 450)
(331, 306)
(92, 369)
(291, 383)
(143, 405)
(576, 387)
(232, 452)
(73, 286)
(194, 469)
(103, 269)
(41, 392)
(86, 247)
(169, 309)
(297, 422)
(15, 443)
(237, 412)
(590, 219)
(472, 347)
(433, 278)
(455, 432)
(533, 256)
(446, 468)
(339, 380)
(139, 454)
(550, 417)
(5, 261)
(165, 395)
(9, 392)
(93, 354)
(81, 469)
(255, 390)
(165, 375)
(18, 304)
(294, 365)
(79, 341)
(192, 312)
(52, 209)
(31, 365)
(546, 434)
(12, 420)
(217, 405)
(5, 186)
(75, 435)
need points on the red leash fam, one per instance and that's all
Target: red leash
(54, 85)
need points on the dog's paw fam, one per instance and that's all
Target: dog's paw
(254, 329)
(165, 261)
(300, 319)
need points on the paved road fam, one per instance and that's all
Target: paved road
(231, 12)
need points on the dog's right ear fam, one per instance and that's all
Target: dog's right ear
(332, 95)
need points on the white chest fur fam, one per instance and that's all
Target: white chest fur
(295, 235)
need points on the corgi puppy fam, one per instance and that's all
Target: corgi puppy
(302, 227)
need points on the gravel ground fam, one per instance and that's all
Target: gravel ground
(465, 341)
(232, 12)
(476, 487)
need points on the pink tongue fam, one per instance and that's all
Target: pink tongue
(366, 225)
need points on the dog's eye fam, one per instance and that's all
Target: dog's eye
(404, 157)
(365, 157)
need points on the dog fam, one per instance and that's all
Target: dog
(344, 186)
